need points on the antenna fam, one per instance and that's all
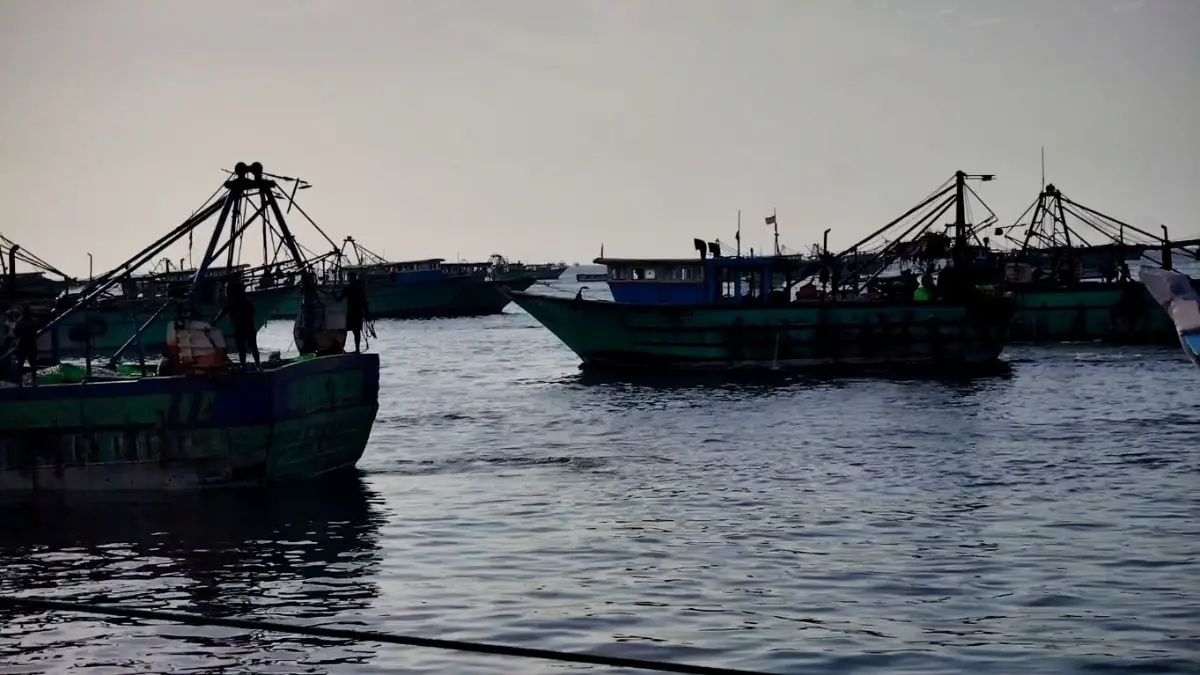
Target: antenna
(1043, 167)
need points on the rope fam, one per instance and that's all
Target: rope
(45, 605)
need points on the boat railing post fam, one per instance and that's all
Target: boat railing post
(1166, 248)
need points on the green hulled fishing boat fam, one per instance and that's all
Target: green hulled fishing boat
(1067, 289)
(416, 289)
(196, 419)
(724, 312)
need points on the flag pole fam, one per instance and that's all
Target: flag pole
(775, 222)
(738, 236)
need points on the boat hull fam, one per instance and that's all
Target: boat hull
(297, 421)
(618, 336)
(485, 298)
(1176, 295)
(1122, 313)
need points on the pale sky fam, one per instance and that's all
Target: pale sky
(540, 128)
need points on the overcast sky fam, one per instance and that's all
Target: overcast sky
(541, 128)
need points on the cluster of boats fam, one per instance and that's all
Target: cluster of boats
(159, 404)
(946, 295)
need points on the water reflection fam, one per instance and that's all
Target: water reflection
(306, 555)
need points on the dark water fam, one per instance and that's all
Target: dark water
(1044, 522)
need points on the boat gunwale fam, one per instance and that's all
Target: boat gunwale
(517, 296)
(88, 387)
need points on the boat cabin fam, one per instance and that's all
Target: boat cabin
(466, 269)
(407, 270)
(705, 281)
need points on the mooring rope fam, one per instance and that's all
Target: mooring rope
(46, 605)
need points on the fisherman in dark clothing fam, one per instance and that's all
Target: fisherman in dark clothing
(356, 308)
(25, 331)
(241, 315)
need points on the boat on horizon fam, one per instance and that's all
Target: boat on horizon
(722, 312)
(503, 269)
(430, 288)
(195, 420)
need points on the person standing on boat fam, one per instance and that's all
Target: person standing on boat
(356, 308)
(25, 331)
(241, 314)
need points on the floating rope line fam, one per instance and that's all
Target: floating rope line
(364, 636)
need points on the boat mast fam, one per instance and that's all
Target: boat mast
(961, 229)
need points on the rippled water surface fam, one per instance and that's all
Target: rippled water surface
(1043, 522)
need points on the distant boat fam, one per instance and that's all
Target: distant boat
(420, 289)
(1174, 291)
(503, 270)
(591, 277)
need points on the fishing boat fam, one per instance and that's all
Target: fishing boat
(196, 420)
(490, 283)
(504, 270)
(1066, 288)
(721, 312)
(415, 289)
(1176, 293)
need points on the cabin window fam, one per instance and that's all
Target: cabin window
(639, 274)
(651, 274)
(684, 273)
(618, 273)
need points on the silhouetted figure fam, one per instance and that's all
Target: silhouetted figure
(356, 308)
(25, 331)
(240, 310)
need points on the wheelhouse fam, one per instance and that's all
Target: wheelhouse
(408, 270)
(702, 281)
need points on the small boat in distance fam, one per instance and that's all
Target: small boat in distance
(418, 289)
(504, 270)
(1174, 291)
(584, 277)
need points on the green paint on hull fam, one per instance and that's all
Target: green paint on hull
(1118, 313)
(392, 300)
(301, 420)
(113, 326)
(617, 336)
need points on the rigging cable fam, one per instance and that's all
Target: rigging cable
(46, 605)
